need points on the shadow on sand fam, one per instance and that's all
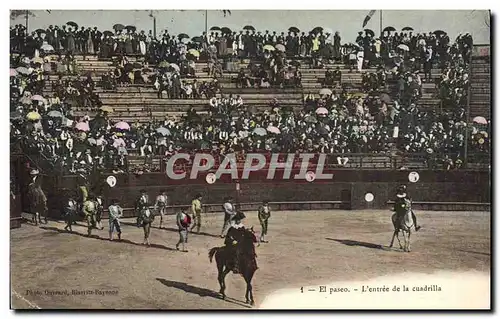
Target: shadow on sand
(202, 292)
(349, 242)
(172, 229)
(126, 241)
(474, 252)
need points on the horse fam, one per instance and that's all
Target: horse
(37, 203)
(247, 264)
(403, 223)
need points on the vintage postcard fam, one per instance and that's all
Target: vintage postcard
(258, 159)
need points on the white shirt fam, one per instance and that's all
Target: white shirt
(229, 209)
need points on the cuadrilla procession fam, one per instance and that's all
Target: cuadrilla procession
(194, 159)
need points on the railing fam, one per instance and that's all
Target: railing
(354, 161)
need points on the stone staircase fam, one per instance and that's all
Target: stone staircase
(480, 87)
(141, 102)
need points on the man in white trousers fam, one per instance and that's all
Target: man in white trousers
(360, 57)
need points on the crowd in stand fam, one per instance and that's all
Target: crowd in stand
(334, 122)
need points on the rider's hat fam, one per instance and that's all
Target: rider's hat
(401, 191)
(239, 216)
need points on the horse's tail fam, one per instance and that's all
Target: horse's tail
(212, 252)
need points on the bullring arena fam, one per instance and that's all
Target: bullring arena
(305, 248)
(391, 112)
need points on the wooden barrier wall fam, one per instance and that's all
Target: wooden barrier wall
(348, 186)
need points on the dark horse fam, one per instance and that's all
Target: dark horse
(37, 203)
(247, 263)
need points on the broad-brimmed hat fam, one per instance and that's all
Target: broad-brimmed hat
(401, 191)
(239, 216)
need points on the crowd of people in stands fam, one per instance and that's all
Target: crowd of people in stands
(336, 121)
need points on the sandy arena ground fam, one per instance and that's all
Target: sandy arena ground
(306, 248)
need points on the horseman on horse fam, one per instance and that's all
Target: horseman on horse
(237, 255)
(402, 204)
(234, 239)
(403, 219)
(37, 199)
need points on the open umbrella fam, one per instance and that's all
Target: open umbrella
(370, 32)
(163, 131)
(108, 33)
(485, 134)
(317, 30)
(39, 31)
(389, 29)
(13, 72)
(280, 47)
(215, 28)
(248, 27)
(183, 36)
(47, 47)
(108, 109)
(403, 47)
(273, 129)
(322, 111)
(175, 67)
(122, 126)
(52, 57)
(37, 60)
(197, 39)
(118, 27)
(194, 52)
(130, 28)
(439, 32)
(359, 94)
(72, 24)
(268, 47)
(407, 29)
(37, 97)
(294, 29)
(82, 126)
(163, 64)
(480, 120)
(384, 97)
(260, 131)
(327, 31)
(225, 30)
(325, 91)
(33, 116)
(55, 114)
(311, 119)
